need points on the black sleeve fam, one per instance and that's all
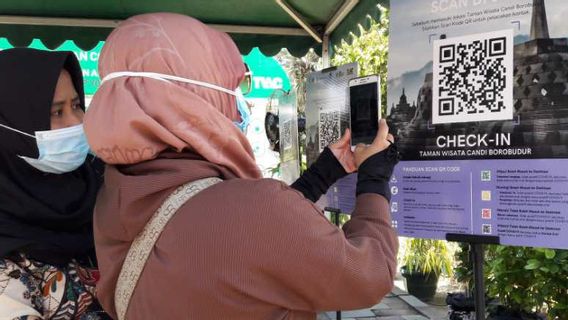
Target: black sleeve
(96, 163)
(320, 176)
(375, 172)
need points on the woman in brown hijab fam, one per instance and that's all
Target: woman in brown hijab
(240, 247)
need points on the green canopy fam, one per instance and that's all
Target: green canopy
(271, 25)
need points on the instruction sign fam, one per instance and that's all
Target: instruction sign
(478, 102)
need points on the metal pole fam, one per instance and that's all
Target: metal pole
(325, 51)
(479, 279)
(337, 223)
(339, 15)
(301, 20)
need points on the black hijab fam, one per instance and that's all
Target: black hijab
(46, 216)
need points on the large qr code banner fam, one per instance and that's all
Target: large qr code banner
(473, 78)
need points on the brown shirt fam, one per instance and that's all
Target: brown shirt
(242, 249)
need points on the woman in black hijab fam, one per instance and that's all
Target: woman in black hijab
(48, 187)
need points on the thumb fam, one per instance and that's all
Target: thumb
(346, 138)
(382, 134)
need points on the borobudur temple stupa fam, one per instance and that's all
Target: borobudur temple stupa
(541, 87)
(401, 114)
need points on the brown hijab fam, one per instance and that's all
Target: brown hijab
(134, 119)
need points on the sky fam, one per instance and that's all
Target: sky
(411, 47)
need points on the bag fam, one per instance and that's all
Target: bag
(144, 243)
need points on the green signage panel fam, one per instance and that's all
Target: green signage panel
(267, 74)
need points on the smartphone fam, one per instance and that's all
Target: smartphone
(365, 105)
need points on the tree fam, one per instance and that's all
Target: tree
(298, 70)
(369, 50)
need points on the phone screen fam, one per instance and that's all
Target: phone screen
(364, 112)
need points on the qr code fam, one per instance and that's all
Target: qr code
(473, 78)
(486, 214)
(328, 128)
(286, 135)
(486, 229)
(486, 195)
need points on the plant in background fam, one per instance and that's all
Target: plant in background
(423, 261)
(427, 256)
(370, 51)
(275, 171)
(298, 70)
(529, 279)
(463, 270)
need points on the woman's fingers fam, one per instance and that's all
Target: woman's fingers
(346, 139)
(342, 152)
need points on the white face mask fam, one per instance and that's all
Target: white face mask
(60, 151)
(241, 102)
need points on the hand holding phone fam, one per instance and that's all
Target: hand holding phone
(382, 141)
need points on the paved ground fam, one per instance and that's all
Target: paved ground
(398, 305)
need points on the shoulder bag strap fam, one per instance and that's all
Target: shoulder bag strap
(144, 243)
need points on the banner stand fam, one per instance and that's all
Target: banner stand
(476, 244)
(335, 218)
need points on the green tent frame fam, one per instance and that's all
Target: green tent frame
(298, 25)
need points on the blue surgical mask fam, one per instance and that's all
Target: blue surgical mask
(241, 106)
(60, 151)
(244, 111)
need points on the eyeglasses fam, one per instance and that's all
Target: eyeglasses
(246, 84)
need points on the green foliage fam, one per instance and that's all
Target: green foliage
(275, 170)
(529, 279)
(463, 270)
(427, 255)
(344, 218)
(370, 51)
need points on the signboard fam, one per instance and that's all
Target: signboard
(327, 107)
(478, 94)
(327, 117)
(289, 145)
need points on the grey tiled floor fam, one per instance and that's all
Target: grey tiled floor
(398, 305)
